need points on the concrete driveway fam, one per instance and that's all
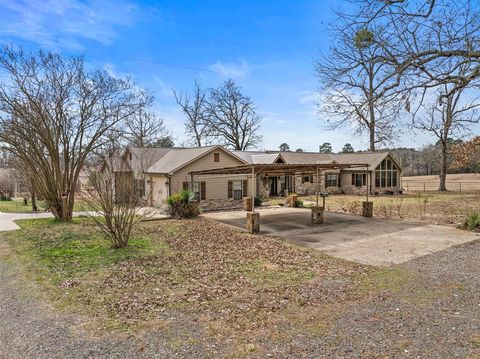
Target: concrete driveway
(365, 240)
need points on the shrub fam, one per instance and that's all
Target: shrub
(5, 197)
(299, 203)
(257, 201)
(422, 201)
(183, 205)
(472, 222)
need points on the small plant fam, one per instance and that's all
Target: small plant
(299, 203)
(183, 205)
(472, 222)
(399, 206)
(422, 201)
(385, 209)
(258, 201)
(5, 197)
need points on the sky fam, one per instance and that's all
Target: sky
(267, 47)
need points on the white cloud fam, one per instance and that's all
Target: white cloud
(239, 69)
(62, 24)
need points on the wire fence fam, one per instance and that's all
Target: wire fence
(430, 186)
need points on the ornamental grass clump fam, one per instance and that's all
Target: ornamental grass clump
(472, 222)
(183, 205)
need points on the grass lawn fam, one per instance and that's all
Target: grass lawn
(438, 208)
(195, 279)
(16, 206)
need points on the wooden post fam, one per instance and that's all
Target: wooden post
(253, 189)
(368, 188)
(318, 186)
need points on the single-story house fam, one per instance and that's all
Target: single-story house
(161, 172)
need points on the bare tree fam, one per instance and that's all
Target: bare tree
(197, 128)
(449, 117)
(232, 118)
(145, 128)
(115, 206)
(420, 36)
(359, 88)
(54, 113)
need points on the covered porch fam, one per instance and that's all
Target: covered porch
(274, 173)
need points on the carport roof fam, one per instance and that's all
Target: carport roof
(278, 168)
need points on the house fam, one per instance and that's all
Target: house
(158, 173)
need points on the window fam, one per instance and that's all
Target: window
(307, 178)
(331, 180)
(216, 157)
(196, 190)
(386, 174)
(359, 179)
(237, 189)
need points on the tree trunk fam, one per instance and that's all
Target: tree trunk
(443, 170)
(33, 196)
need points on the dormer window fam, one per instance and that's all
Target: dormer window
(216, 157)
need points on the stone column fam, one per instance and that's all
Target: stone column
(253, 222)
(317, 214)
(367, 209)
(292, 200)
(247, 204)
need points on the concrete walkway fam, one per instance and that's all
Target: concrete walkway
(370, 241)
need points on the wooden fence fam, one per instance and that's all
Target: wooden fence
(429, 186)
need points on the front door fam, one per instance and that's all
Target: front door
(273, 186)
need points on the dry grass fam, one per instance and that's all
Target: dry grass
(460, 182)
(437, 208)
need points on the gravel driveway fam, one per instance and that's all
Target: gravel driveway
(435, 313)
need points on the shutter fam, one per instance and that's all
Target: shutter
(245, 187)
(203, 190)
(325, 183)
(185, 185)
(230, 189)
(353, 179)
(339, 180)
(364, 179)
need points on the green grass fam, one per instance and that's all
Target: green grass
(17, 206)
(58, 250)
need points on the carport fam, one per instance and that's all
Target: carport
(253, 170)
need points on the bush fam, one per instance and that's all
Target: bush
(472, 222)
(5, 197)
(299, 203)
(183, 205)
(257, 201)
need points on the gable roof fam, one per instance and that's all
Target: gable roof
(179, 158)
(144, 157)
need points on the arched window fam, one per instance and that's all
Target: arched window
(387, 174)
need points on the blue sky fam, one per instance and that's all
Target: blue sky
(267, 47)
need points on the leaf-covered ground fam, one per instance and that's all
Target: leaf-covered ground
(229, 284)
(199, 289)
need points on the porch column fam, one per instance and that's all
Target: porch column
(367, 210)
